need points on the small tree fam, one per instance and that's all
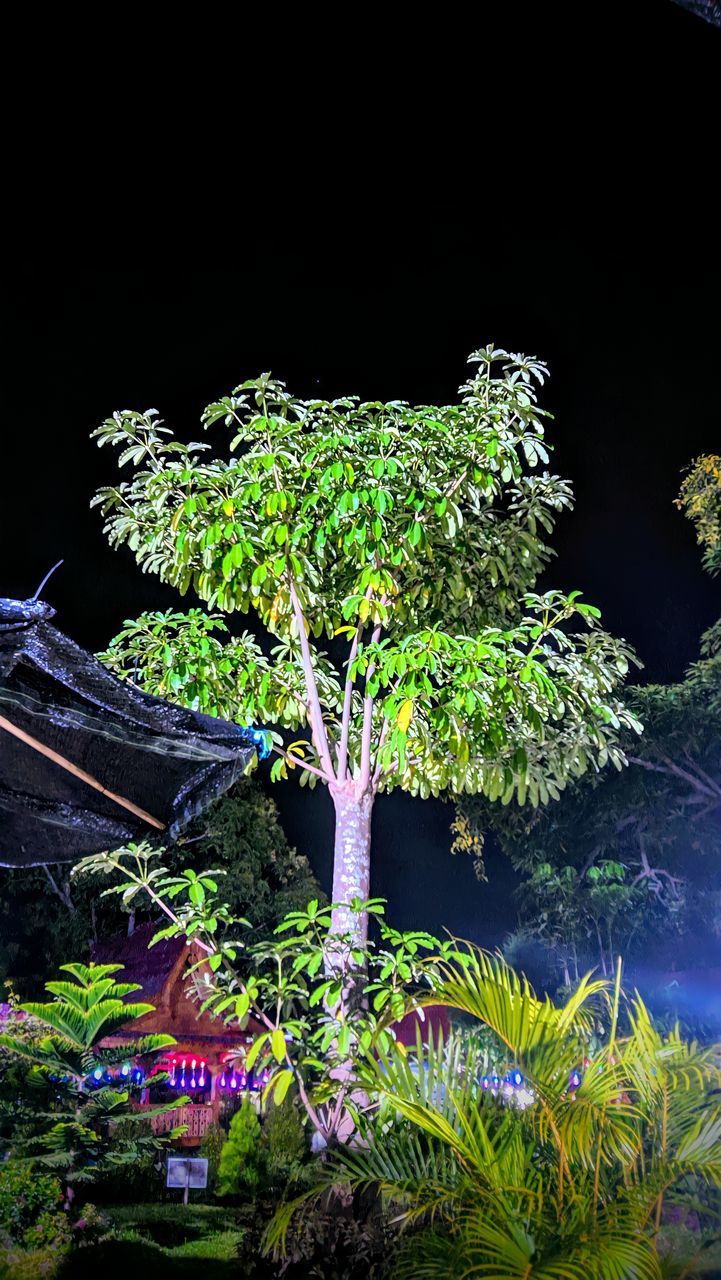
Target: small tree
(90, 1127)
(295, 985)
(243, 1157)
(409, 539)
(284, 1137)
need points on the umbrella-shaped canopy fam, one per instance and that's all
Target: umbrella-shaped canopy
(89, 762)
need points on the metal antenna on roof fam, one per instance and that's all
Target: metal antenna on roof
(47, 577)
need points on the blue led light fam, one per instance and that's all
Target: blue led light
(516, 1079)
(262, 740)
(575, 1080)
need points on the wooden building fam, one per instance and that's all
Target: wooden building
(206, 1064)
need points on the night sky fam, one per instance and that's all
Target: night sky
(629, 325)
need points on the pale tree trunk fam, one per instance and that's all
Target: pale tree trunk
(351, 879)
(351, 856)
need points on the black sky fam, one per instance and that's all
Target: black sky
(628, 321)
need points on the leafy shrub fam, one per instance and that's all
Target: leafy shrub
(325, 1243)
(284, 1138)
(32, 1264)
(90, 1225)
(31, 1209)
(211, 1149)
(133, 1183)
(242, 1160)
(127, 1253)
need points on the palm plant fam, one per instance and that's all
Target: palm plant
(89, 1126)
(568, 1185)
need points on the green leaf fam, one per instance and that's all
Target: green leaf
(281, 1085)
(277, 1043)
(254, 1050)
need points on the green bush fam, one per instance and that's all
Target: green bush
(32, 1264)
(242, 1160)
(211, 1148)
(134, 1183)
(31, 1212)
(125, 1254)
(221, 1246)
(284, 1138)
(356, 1243)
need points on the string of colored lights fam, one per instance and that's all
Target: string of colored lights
(127, 1074)
(192, 1073)
(514, 1088)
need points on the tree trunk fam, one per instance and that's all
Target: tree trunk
(351, 857)
(351, 879)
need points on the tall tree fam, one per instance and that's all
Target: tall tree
(409, 539)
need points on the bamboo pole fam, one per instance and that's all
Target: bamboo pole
(79, 773)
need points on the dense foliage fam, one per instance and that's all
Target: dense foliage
(82, 1125)
(409, 539)
(31, 1208)
(569, 1175)
(242, 1157)
(316, 994)
(627, 861)
(700, 500)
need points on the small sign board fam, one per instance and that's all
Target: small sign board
(185, 1172)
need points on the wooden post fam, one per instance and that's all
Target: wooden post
(79, 773)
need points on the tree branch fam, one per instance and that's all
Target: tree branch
(316, 715)
(669, 767)
(377, 772)
(298, 762)
(365, 770)
(348, 700)
(63, 894)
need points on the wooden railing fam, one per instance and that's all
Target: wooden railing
(197, 1117)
